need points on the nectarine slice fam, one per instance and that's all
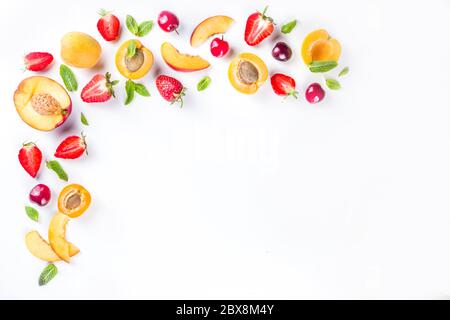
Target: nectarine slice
(182, 62)
(209, 27)
(40, 248)
(57, 237)
(320, 46)
(247, 73)
(74, 200)
(42, 103)
(137, 66)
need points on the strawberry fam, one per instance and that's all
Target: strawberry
(171, 89)
(37, 61)
(99, 89)
(108, 26)
(30, 157)
(259, 27)
(283, 85)
(72, 148)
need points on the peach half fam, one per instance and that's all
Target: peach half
(209, 27)
(42, 103)
(320, 46)
(40, 248)
(247, 73)
(137, 66)
(182, 62)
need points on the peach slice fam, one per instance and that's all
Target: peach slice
(247, 73)
(40, 248)
(57, 237)
(182, 62)
(42, 103)
(209, 27)
(136, 67)
(320, 46)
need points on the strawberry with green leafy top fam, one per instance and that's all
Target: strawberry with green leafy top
(99, 89)
(72, 148)
(108, 26)
(30, 157)
(171, 89)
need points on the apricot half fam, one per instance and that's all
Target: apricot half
(135, 66)
(80, 50)
(180, 61)
(320, 46)
(209, 27)
(247, 73)
(74, 200)
(42, 103)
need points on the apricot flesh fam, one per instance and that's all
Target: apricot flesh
(80, 50)
(247, 73)
(41, 249)
(320, 46)
(135, 67)
(74, 200)
(180, 61)
(209, 27)
(42, 103)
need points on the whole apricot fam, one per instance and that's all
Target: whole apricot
(80, 50)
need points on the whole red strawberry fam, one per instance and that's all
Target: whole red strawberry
(108, 26)
(99, 89)
(171, 89)
(37, 61)
(283, 85)
(259, 27)
(72, 148)
(30, 157)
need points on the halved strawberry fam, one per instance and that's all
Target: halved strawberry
(99, 89)
(72, 148)
(170, 89)
(108, 26)
(30, 157)
(259, 27)
(37, 61)
(283, 85)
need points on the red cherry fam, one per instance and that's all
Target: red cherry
(219, 47)
(168, 21)
(314, 93)
(40, 195)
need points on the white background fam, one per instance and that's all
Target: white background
(245, 196)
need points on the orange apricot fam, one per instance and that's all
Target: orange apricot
(74, 200)
(247, 72)
(320, 46)
(137, 66)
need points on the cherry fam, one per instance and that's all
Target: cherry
(219, 47)
(282, 52)
(168, 21)
(40, 195)
(314, 93)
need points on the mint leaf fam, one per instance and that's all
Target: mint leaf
(288, 27)
(68, 78)
(84, 120)
(32, 213)
(129, 88)
(333, 84)
(322, 66)
(144, 28)
(132, 25)
(344, 71)
(141, 90)
(131, 49)
(204, 84)
(47, 274)
(56, 167)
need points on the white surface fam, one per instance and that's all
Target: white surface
(246, 196)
